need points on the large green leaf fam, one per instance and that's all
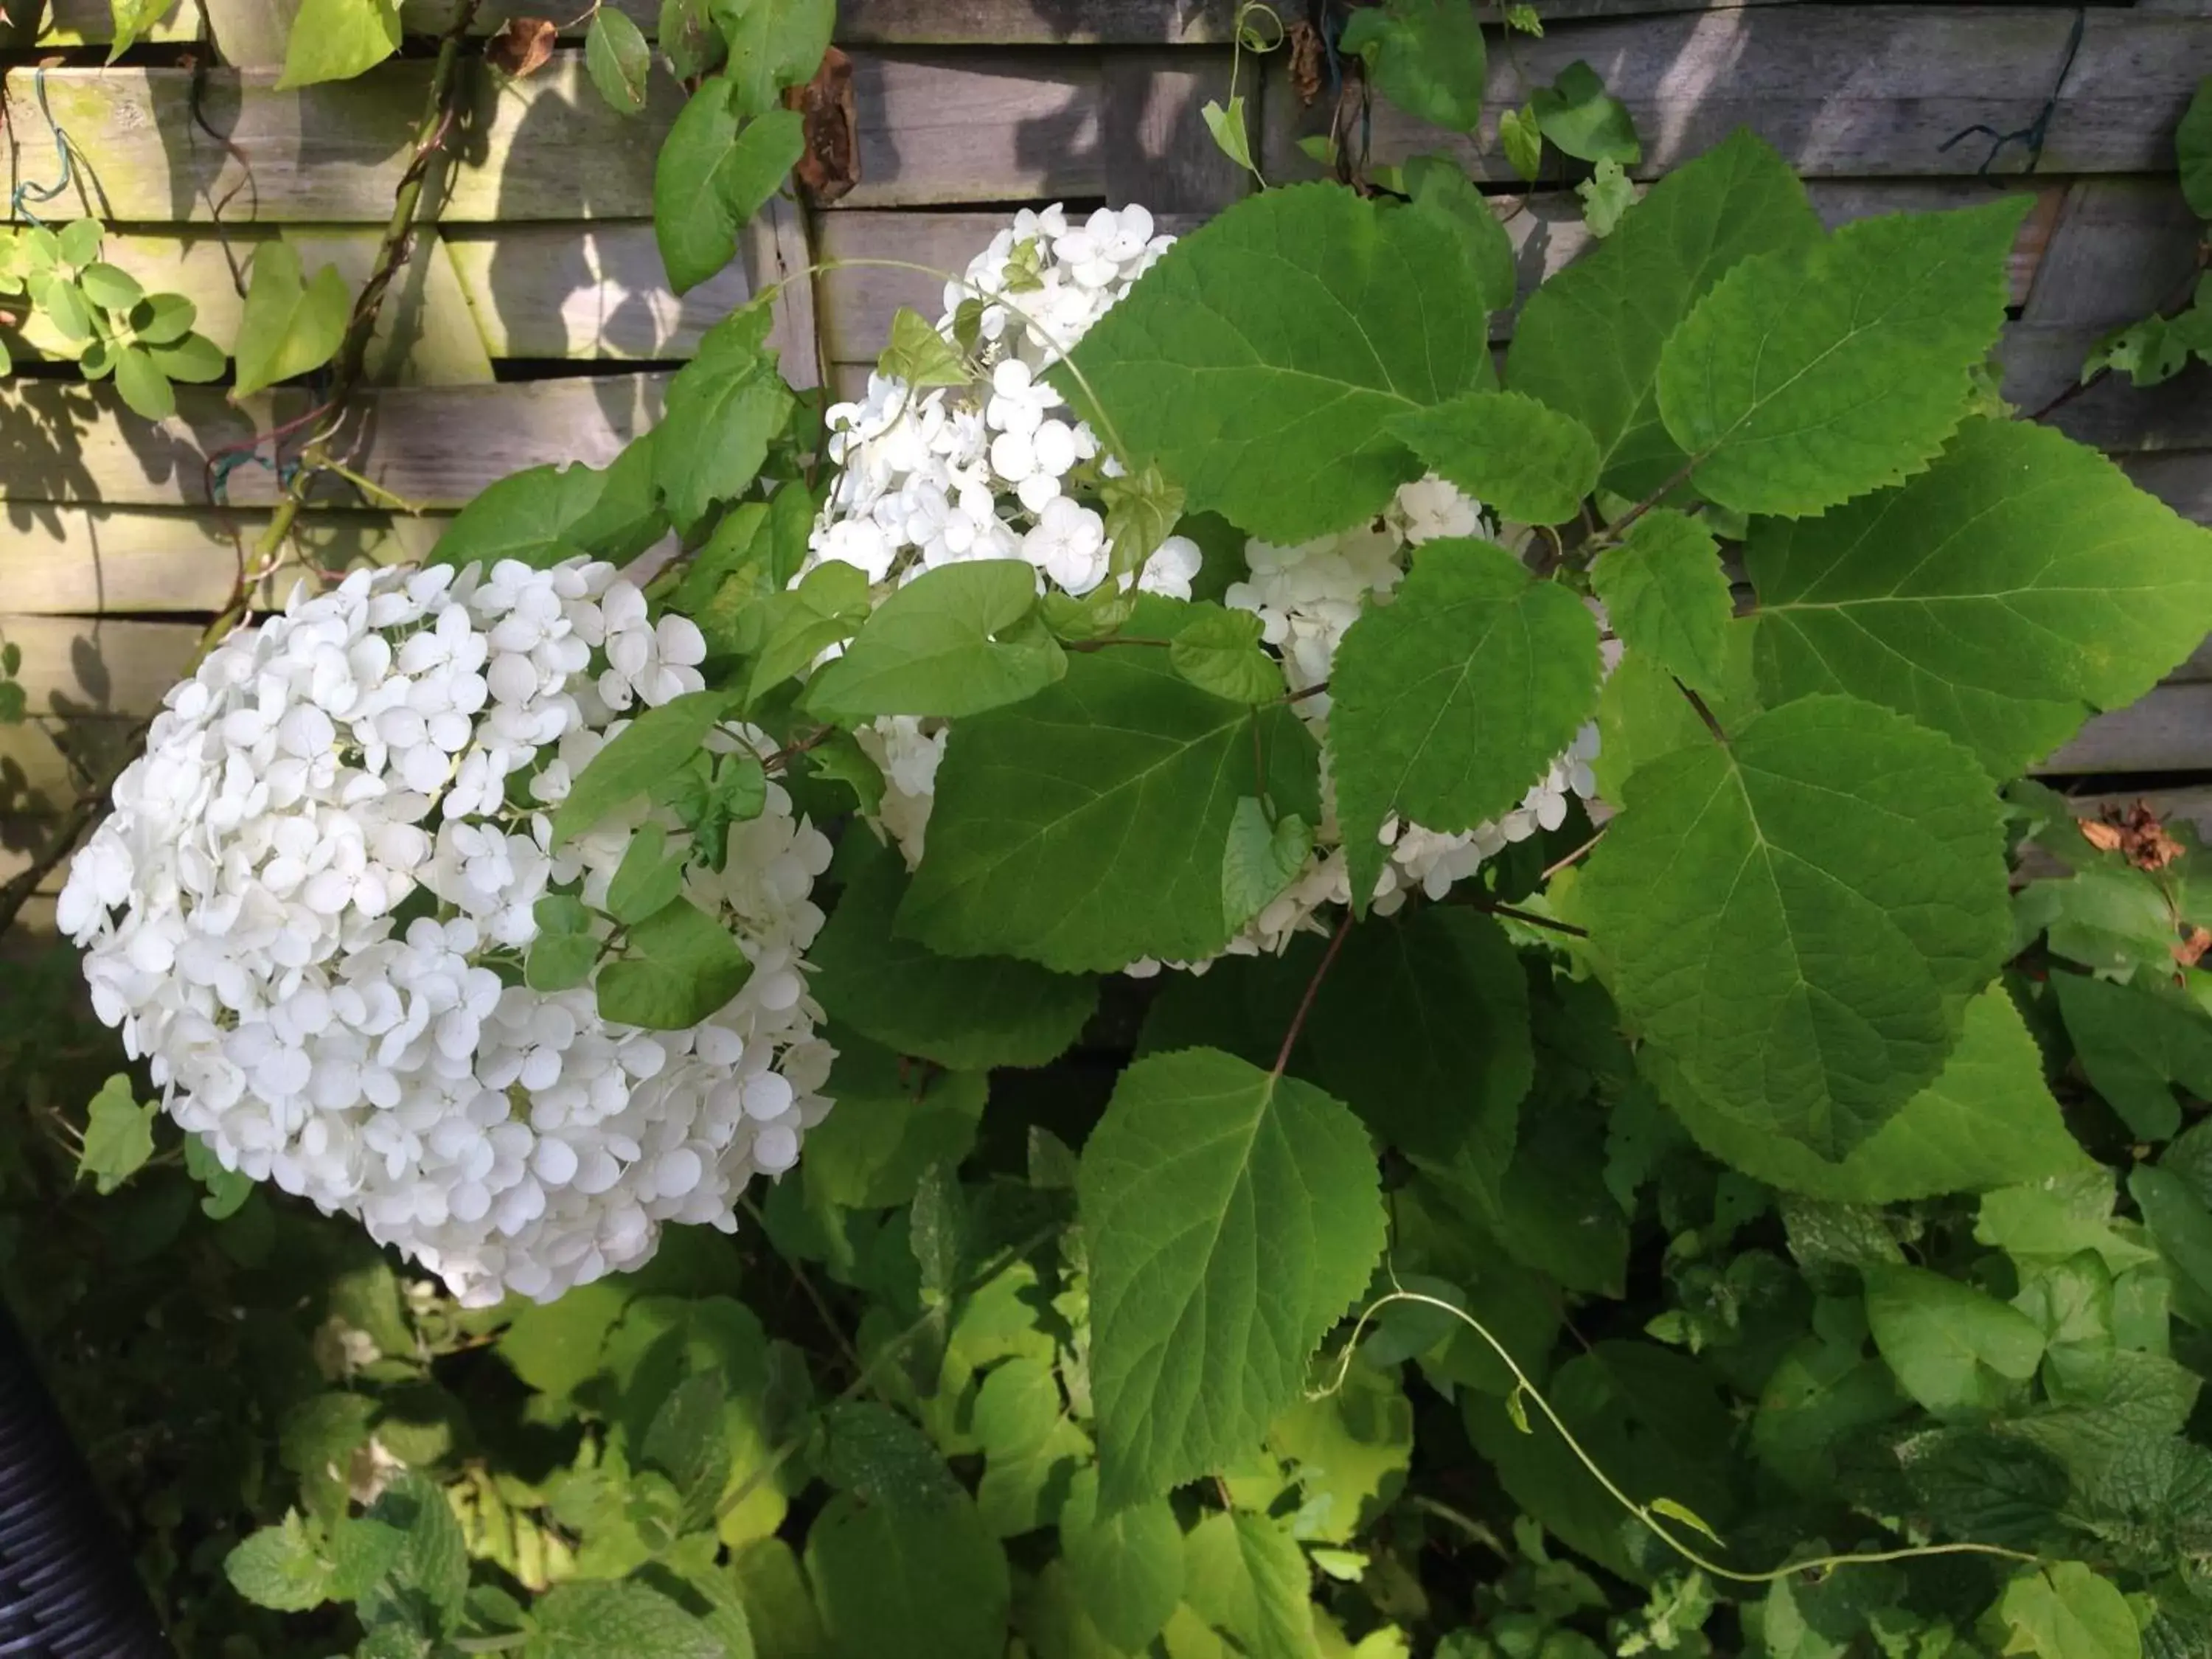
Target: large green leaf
(2065, 1611)
(544, 514)
(1422, 1028)
(921, 1582)
(291, 323)
(774, 44)
(1521, 459)
(1126, 1566)
(970, 1013)
(1951, 1348)
(657, 742)
(1796, 917)
(2136, 1044)
(715, 171)
(1668, 597)
(1245, 1576)
(1817, 373)
(1449, 703)
(1440, 189)
(724, 407)
(2020, 582)
(1257, 362)
(1987, 1120)
(1231, 1216)
(337, 39)
(1085, 828)
(955, 640)
(1588, 342)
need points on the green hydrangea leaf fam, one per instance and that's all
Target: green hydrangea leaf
(894, 1121)
(2000, 596)
(338, 39)
(1257, 362)
(969, 1013)
(955, 640)
(1231, 1216)
(118, 1135)
(620, 1620)
(2136, 1044)
(1422, 1028)
(1795, 918)
(1085, 828)
(1952, 1348)
(1446, 704)
(291, 323)
(1987, 1120)
(1668, 597)
(715, 171)
(724, 407)
(1427, 56)
(1585, 121)
(657, 742)
(544, 514)
(1440, 189)
(1245, 1576)
(677, 966)
(1126, 1566)
(1816, 374)
(1588, 341)
(923, 1584)
(2065, 1611)
(1526, 461)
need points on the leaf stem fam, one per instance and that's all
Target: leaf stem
(1313, 989)
(1512, 914)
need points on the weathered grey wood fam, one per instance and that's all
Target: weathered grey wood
(433, 447)
(2183, 480)
(931, 129)
(774, 248)
(2169, 731)
(79, 561)
(586, 291)
(1158, 149)
(2120, 249)
(2040, 363)
(75, 666)
(1840, 91)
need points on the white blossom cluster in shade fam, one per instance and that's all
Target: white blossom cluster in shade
(406, 732)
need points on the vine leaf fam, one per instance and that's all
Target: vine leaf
(1086, 828)
(618, 60)
(1987, 1120)
(724, 408)
(678, 966)
(1449, 703)
(926, 1581)
(338, 39)
(1951, 1348)
(1584, 120)
(1126, 1567)
(2136, 1044)
(1589, 340)
(1427, 57)
(2020, 582)
(659, 742)
(1232, 1216)
(955, 640)
(1257, 362)
(2192, 150)
(773, 44)
(1814, 374)
(1524, 460)
(1245, 1576)
(1261, 860)
(1668, 597)
(1795, 918)
(291, 323)
(715, 171)
(2065, 1611)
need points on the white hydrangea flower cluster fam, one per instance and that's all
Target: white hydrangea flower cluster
(986, 473)
(404, 736)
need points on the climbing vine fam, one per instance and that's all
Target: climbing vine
(1386, 1003)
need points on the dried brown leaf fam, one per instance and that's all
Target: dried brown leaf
(1307, 59)
(522, 47)
(2190, 951)
(2105, 837)
(2138, 834)
(829, 166)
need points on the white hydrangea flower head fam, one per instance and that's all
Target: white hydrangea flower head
(993, 471)
(404, 736)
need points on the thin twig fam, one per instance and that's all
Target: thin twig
(1551, 870)
(1313, 990)
(1511, 913)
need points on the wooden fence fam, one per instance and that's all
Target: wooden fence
(535, 324)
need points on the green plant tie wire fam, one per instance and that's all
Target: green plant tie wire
(28, 192)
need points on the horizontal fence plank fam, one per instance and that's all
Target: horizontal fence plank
(1000, 126)
(2169, 731)
(81, 561)
(433, 447)
(1840, 91)
(2042, 363)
